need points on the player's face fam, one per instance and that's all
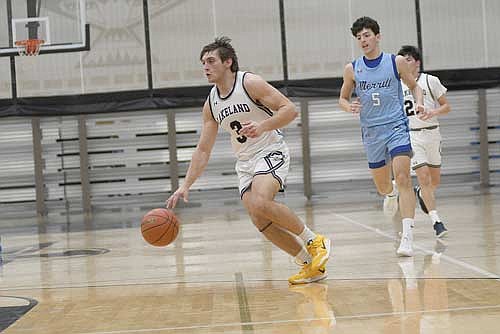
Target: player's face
(213, 67)
(412, 63)
(367, 40)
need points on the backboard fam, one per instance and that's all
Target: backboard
(61, 24)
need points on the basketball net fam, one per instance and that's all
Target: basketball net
(29, 47)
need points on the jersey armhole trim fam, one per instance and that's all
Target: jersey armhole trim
(395, 67)
(259, 105)
(266, 110)
(246, 92)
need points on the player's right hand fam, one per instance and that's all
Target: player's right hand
(171, 202)
(356, 106)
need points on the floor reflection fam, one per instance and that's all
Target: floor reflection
(419, 306)
(313, 308)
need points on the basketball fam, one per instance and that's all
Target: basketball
(159, 227)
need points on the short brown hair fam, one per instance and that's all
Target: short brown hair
(410, 50)
(365, 22)
(225, 50)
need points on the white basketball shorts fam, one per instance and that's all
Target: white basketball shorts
(274, 160)
(426, 146)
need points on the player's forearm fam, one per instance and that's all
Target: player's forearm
(199, 161)
(345, 104)
(281, 118)
(418, 95)
(442, 110)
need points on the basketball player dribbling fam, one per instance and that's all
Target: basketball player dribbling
(376, 79)
(253, 111)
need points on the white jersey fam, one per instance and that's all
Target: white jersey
(236, 108)
(433, 90)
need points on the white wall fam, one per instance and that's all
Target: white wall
(5, 82)
(319, 39)
(179, 34)
(460, 33)
(456, 34)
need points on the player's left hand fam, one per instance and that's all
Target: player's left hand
(251, 129)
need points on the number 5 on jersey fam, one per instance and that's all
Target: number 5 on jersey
(376, 99)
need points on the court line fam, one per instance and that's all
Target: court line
(111, 284)
(245, 316)
(273, 322)
(415, 246)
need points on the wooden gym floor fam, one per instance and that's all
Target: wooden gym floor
(220, 276)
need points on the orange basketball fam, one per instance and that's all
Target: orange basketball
(159, 227)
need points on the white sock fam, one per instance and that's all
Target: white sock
(307, 235)
(434, 216)
(407, 225)
(303, 257)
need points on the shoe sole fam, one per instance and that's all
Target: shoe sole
(324, 259)
(310, 280)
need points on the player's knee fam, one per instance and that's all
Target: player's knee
(402, 180)
(257, 206)
(424, 180)
(426, 183)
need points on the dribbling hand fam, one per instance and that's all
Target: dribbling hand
(171, 202)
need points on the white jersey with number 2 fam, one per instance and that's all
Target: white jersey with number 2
(433, 90)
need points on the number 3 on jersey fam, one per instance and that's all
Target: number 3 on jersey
(235, 125)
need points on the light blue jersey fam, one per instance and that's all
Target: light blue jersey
(384, 125)
(379, 87)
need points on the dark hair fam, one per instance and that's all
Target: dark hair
(410, 50)
(365, 22)
(225, 49)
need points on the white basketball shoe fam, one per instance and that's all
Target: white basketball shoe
(406, 245)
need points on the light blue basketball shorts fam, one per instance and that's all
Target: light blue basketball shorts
(384, 142)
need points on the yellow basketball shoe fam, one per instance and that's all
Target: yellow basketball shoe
(307, 275)
(319, 248)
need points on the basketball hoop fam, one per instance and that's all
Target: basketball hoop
(29, 47)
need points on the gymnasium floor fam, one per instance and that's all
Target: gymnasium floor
(72, 275)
